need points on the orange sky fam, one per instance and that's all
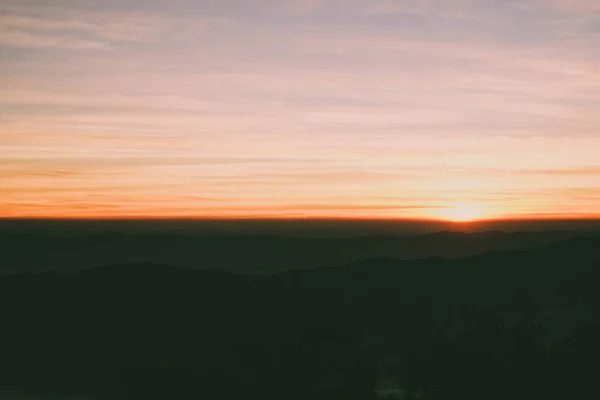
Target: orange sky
(320, 108)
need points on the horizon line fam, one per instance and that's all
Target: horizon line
(523, 218)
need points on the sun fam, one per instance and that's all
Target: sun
(464, 213)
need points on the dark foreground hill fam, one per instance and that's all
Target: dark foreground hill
(505, 324)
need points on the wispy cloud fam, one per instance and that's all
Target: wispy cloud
(77, 30)
(19, 38)
(582, 171)
(110, 26)
(572, 6)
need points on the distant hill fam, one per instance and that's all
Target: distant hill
(247, 254)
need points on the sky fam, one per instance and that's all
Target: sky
(311, 108)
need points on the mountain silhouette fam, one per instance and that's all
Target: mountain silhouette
(503, 324)
(247, 253)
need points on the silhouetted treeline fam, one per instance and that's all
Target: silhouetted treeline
(518, 325)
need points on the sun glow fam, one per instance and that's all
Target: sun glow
(464, 212)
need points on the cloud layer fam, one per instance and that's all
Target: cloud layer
(299, 108)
